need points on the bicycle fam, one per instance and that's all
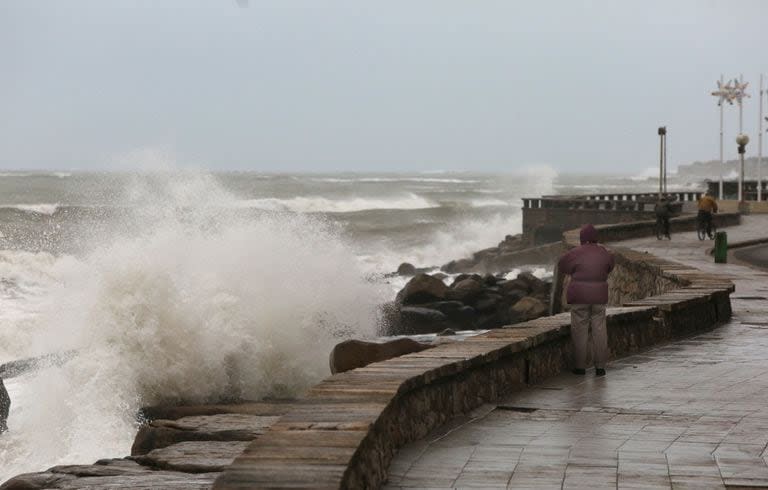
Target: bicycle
(701, 229)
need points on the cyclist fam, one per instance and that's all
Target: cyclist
(663, 210)
(707, 206)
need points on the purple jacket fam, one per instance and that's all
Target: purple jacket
(589, 266)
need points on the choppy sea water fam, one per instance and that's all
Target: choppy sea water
(181, 285)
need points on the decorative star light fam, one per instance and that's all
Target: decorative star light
(724, 92)
(739, 90)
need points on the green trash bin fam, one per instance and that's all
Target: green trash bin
(721, 247)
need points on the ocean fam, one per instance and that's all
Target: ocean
(186, 285)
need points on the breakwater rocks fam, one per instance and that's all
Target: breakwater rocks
(513, 251)
(428, 305)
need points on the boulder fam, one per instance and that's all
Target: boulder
(458, 314)
(352, 354)
(423, 288)
(461, 277)
(487, 302)
(406, 269)
(487, 253)
(535, 285)
(490, 280)
(5, 407)
(461, 265)
(514, 284)
(416, 320)
(465, 290)
(526, 309)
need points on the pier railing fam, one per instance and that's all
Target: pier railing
(609, 202)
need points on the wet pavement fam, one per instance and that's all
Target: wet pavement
(689, 414)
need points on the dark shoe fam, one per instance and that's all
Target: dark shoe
(580, 372)
(599, 372)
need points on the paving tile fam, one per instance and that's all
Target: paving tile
(696, 408)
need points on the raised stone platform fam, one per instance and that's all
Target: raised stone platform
(687, 414)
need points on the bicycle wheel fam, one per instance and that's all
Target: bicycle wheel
(712, 231)
(701, 230)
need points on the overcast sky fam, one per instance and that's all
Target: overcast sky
(373, 86)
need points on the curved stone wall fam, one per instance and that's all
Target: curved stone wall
(346, 431)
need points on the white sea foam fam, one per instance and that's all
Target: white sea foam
(324, 205)
(199, 305)
(434, 180)
(48, 209)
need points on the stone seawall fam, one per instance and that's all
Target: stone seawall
(346, 431)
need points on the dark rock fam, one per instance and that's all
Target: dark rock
(466, 290)
(461, 277)
(485, 254)
(423, 288)
(440, 275)
(418, 320)
(514, 284)
(512, 296)
(406, 269)
(490, 279)
(526, 309)
(461, 265)
(5, 407)
(447, 332)
(352, 354)
(459, 315)
(535, 285)
(222, 427)
(487, 302)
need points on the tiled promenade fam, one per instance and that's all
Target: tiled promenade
(690, 414)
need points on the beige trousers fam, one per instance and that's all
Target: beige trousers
(583, 317)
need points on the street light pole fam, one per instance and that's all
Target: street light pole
(742, 141)
(739, 92)
(662, 178)
(724, 93)
(760, 146)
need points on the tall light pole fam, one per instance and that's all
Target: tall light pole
(742, 141)
(724, 93)
(760, 146)
(739, 92)
(662, 169)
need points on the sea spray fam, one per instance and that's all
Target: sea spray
(181, 300)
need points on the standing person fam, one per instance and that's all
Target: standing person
(663, 210)
(5, 406)
(707, 206)
(589, 266)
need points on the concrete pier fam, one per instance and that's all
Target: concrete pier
(686, 414)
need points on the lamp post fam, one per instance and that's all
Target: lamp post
(760, 146)
(662, 168)
(724, 93)
(739, 92)
(742, 141)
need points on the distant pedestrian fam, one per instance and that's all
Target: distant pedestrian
(663, 210)
(5, 406)
(589, 266)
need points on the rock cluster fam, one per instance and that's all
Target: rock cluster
(501, 257)
(427, 305)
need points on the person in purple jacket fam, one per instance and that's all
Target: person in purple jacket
(589, 266)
